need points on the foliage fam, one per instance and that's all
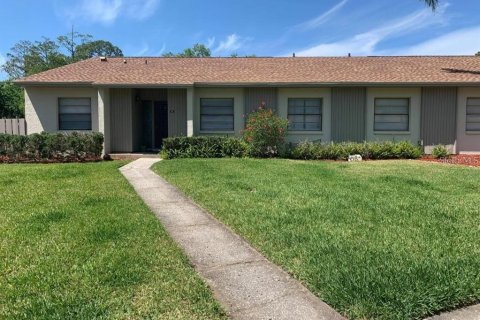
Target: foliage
(71, 41)
(203, 147)
(98, 48)
(440, 151)
(51, 147)
(197, 51)
(368, 150)
(375, 240)
(26, 58)
(83, 245)
(432, 3)
(265, 132)
(11, 101)
(235, 55)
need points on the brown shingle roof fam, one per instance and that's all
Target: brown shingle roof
(257, 71)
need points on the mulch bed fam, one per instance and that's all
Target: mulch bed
(472, 160)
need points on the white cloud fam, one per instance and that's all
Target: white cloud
(108, 11)
(210, 42)
(103, 11)
(142, 51)
(459, 42)
(232, 43)
(140, 10)
(321, 19)
(366, 43)
(162, 50)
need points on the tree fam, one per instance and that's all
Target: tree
(477, 54)
(11, 101)
(27, 58)
(97, 48)
(432, 4)
(72, 40)
(235, 55)
(197, 51)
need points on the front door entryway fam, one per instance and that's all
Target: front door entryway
(160, 114)
(155, 124)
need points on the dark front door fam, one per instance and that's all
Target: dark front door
(160, 112)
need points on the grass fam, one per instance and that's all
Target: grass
(77, 243)
(376, 240)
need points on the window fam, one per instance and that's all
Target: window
(392, 114)
(473, 114)
(216, 114)
(74, 114)
(305, 114)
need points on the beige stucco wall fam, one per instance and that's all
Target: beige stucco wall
(415, 96)
(41, 106)
(467, 142)
(238, 108)
(297, 136)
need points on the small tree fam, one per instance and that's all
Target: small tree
(265, 132)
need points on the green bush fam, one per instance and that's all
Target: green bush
(368, 150)
(51, 147)
(265, 132)
(203, 147)
(440, 151)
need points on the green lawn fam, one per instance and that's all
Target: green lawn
(376, 240)
(77, 243)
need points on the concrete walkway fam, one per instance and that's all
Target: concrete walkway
(246, 284)
(468, 313)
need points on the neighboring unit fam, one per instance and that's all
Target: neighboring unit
(137, 102)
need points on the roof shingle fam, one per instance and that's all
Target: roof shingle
(156, 71)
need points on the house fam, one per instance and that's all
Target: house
(137, 102)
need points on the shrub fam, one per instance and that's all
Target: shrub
(440, 151)
(368, 150)
(265, 132)
(203, 147)
(51, 147)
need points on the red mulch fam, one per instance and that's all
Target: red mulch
(472, 160)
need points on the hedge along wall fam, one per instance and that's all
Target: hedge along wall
(219, 147)
(203, 147)
(51, 147)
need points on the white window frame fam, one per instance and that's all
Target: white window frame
(306, 114)
(409, 109)
(59, 113)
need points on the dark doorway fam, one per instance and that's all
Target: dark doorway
(154, 124)
(160, 122)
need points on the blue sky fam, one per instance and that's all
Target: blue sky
(261, 27)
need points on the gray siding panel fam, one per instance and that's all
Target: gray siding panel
(153, 94)
(438, 116)
(137, 123)
(255, 96)
(121, 120)
(177, 112)
(348, 113)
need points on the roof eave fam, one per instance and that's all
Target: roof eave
(22, 83)
(244, 84)
(334, 84)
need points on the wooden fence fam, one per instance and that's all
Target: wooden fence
(13, 126)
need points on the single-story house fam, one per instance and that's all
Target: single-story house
(137, 102)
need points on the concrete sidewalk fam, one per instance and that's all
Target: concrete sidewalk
(246, 284)
(468, 313)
